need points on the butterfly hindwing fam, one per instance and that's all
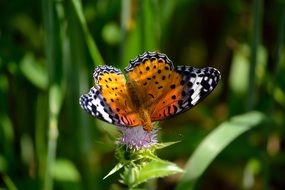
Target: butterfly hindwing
(109, 99)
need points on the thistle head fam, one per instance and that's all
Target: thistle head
(136, 138)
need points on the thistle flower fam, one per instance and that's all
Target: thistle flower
(136, 138)
(135, 152)
(136, 148)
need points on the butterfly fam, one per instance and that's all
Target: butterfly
(153, 91)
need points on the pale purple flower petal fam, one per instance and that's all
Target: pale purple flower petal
(137, 138)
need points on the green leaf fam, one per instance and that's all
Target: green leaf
(55, 99)
(154, 169)
(214, 143)
(165, 144)
(34, 71)
(111, 33)
(64, 170)
(115, 169)
(240, 63)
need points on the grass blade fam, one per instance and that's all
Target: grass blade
(52, 56)
(256, 33)
(276, 57)
(214, 143)
(55, 101)
(149, 26)
(9, 183)
(53, 48)
(94, 51)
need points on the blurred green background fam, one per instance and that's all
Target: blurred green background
(49, 49)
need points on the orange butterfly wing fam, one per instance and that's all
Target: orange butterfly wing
(155, 91)
(154, 80)
(109, 100)
(193, 86)
(166, 91)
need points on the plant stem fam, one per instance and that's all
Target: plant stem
(277, 56)
(256, 32)
(51, 154)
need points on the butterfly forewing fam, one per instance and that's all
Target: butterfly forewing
(152, 77)
(109, 99)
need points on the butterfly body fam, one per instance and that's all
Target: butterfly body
(140, 106)
(152, 90)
